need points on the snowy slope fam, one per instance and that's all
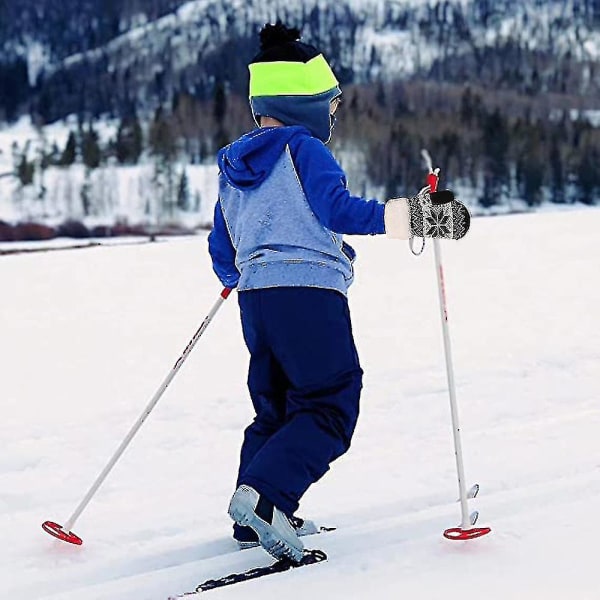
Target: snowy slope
(116, 193)
(391, 28)
(88, 335)
(531, 46)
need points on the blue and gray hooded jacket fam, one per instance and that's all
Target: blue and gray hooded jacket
(282, 209)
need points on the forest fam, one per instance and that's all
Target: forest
(504, 146)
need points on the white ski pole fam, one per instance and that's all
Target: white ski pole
(466, 531)
(64, 532)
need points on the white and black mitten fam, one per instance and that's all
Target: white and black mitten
(436, 215)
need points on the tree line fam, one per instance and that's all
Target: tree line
(502, 146)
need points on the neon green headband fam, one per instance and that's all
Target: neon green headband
(286, 78)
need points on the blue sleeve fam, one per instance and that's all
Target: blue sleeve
(324, 184)
(222, 251)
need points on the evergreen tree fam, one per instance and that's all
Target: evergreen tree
(470, 107)
(25, 170)
(531, 175)
(90, 148)
(183, 192)
(129, 143)
(221, 137)
(70, 152)
(219, 103)
(162, 138)
(495, 142)
(557, 172)
(588, 174)
(163, 147)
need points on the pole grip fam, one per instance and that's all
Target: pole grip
(432, 180)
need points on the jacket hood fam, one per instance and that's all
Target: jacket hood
(311, 111)
(248, 161)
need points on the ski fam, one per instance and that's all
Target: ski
(310, 557)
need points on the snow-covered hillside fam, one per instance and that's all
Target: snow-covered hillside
(88, 336)
(144, 55)
(113, 193)
(390, 29)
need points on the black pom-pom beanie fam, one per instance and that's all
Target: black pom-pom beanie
(292, 82)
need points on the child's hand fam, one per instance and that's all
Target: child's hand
(438, 215)
(434, 215)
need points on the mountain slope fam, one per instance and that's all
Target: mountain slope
(129, 58)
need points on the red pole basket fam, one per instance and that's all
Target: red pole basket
(458, 533)
(58, 532)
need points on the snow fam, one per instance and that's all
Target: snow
(116, 193)
(37, 57)
(23, 133)
(89, 335)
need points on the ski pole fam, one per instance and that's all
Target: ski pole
(64, 532)
(466, 531)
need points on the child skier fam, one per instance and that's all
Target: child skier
(282, 209)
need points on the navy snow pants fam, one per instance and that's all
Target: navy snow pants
(305, 381)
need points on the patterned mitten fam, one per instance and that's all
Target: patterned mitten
(438, 215)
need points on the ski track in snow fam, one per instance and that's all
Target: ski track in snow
(88, 336)
(394, 527)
